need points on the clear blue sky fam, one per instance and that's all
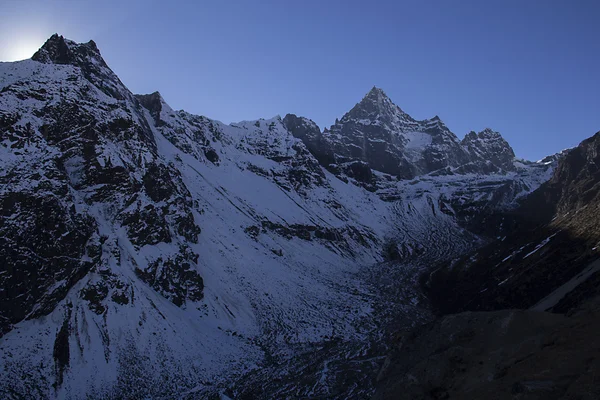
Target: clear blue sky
(529, 69)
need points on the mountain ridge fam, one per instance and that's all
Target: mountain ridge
(160, 227)
(380, 133)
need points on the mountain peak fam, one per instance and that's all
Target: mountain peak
(155, 96)
(485, 135)
(377, 96)
(86, 56)
(376, 92)
(58, 50)
(490, 145)
(377, 108)
(489, 133)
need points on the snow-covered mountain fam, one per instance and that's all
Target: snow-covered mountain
(378, 133)
(152, 252)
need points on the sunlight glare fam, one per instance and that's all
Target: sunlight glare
(20, 49)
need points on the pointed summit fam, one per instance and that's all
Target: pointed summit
(377, 95)
(376, 108)
(376, 92)
(58, 50)
(54, 50)
(489, 133)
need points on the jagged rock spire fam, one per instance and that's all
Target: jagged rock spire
(491, 146)
(59, 50)
(376, 105)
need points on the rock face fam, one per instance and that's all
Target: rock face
(310, 134)
(84, 193)
(488, 145)
(34, 246)
(149, 251)
(377, 132)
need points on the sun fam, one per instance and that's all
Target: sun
(20, 49)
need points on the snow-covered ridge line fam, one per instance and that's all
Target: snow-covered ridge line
(135, 236)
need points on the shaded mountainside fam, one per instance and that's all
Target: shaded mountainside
(548, 261)
(555, 236)
(150, 252)
(509, 354)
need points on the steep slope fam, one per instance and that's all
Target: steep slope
(117, 227)
(378, 132)
(553, 243)
(426, 220)
(116, 273)
(151, 252)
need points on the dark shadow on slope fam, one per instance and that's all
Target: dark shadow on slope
(508, 354)
(516, 273)
(555, 235)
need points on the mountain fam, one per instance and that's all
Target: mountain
(554, 241)
(491, 146)
(520, 314)
(150, 252)
(378, 133)
(389, 140)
